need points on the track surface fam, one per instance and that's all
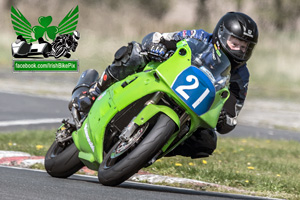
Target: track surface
(26, 184)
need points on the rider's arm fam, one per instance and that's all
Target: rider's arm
(238, 90)
(170, 39)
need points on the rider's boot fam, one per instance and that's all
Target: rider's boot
(201, 144)
(85, 100)
(103, 83)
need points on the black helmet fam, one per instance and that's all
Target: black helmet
(240, 26)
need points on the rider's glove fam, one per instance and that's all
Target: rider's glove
(226, 123)
(156, 52)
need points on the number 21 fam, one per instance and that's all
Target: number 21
(180, 90)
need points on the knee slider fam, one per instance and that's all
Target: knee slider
(122, 55)
(129, 56)
(127, 61)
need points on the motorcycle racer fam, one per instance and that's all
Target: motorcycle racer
(236, 34)
(66, 41)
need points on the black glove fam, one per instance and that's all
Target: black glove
(225, 123)
(157, 51)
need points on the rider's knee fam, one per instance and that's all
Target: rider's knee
(127, 61)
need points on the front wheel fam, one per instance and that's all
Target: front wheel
(60, 51)
(62, 162)
(118, 165)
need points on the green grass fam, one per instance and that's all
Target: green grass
(273, 67)
(33, 142)
(261, 167)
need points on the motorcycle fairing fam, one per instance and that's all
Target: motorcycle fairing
(120, 95)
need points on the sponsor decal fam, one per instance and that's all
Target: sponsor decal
(102, 95)
(217, 50)
(193, 33)
(86, 131)
(247, 32)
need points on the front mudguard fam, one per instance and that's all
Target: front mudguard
(151, 110)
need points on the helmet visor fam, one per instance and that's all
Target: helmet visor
(237, 47)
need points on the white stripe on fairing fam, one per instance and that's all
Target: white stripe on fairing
(30, 122)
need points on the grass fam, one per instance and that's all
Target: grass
(252, 166)
(33, 142)
(273, 67)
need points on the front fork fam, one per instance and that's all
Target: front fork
(132, 126)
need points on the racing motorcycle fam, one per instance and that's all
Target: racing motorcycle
(61, 48)
(63, 44)
(144, 116)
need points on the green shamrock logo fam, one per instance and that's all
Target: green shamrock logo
(50, 32)
(23, 27)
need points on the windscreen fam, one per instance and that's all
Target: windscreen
(213, 62)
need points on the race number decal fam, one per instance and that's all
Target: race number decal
(195, 89)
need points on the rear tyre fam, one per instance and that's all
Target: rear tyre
(62, 162)
(113, 170)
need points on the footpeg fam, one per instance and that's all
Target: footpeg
(64, 133)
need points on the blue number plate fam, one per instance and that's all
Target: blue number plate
(195, 89)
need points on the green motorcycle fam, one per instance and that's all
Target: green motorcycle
(145, 116)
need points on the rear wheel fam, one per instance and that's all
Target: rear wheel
(62, 162)
(125, 158)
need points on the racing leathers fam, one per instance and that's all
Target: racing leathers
(128, 60)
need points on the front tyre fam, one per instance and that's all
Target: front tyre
(113, 172)
(62, 162)
(60, 51)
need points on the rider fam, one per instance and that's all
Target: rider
(69, 40)
(235, 34)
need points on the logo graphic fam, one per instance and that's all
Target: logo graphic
(46, 40)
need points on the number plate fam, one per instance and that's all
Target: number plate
(195, 89)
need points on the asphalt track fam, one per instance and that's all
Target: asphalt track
(17, 183)
(23, 112)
